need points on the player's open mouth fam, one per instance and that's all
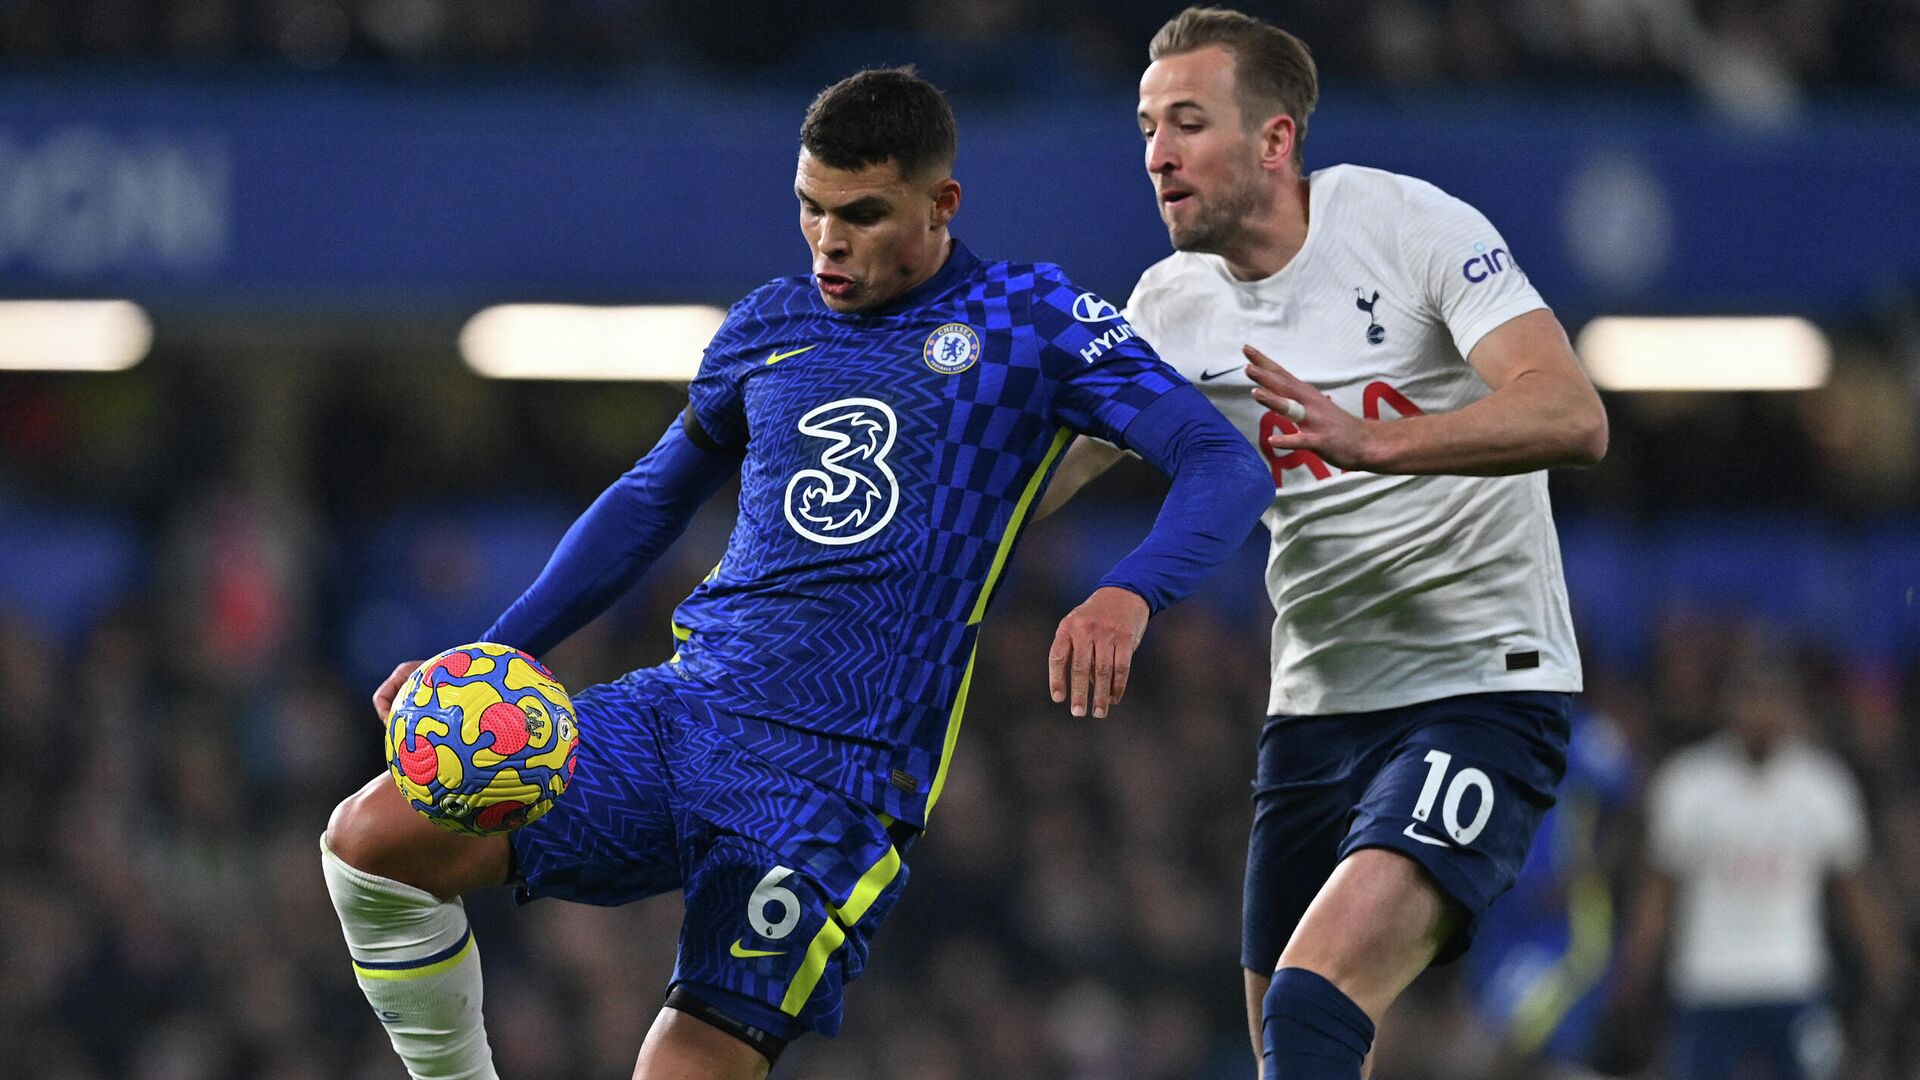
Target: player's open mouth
(1173, 195)
(835, 285)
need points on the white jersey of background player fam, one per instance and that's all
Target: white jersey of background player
(1422, 648)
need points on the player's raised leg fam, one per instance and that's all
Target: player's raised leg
(1440, 832)
(1376, 925)
(395, 880)
(1379, 922)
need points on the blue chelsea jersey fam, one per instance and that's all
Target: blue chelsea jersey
(891, 458)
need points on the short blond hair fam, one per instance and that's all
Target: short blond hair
(1273, 71)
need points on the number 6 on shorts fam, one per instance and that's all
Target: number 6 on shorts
(770, 891)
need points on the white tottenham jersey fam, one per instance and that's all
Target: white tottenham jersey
(1387, 590)
(1750, 848)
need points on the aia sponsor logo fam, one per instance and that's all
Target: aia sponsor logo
(1376, 395)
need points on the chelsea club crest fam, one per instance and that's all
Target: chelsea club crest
(951, 349)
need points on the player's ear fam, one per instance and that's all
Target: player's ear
(1277, 137)
(946, 202)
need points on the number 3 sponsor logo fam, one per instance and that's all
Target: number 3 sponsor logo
(853, 493)
(1465, 780)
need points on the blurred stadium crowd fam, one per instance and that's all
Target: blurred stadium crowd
(177, 740)
(1730, 48)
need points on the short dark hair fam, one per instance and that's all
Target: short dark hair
(879, 115)
(1272, 70)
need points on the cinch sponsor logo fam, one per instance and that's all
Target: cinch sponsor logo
(1485, 264)
(1108, 340)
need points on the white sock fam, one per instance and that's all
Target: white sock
(416, 961)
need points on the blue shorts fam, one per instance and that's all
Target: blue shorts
(785, 880)
(1457, 785)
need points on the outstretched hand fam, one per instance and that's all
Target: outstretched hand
(1092, 651)
(1336, 435)
(383, 697)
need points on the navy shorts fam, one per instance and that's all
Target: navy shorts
(1458, 785)
(785, 880)
(1788, 1040)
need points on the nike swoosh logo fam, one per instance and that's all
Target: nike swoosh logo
(779, 356)
(1424, 838)
(1209, 376)
(737, 949)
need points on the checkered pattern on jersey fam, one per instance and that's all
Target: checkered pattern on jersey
(842, 660)
(661, 800)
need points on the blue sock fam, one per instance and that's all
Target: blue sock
(1311, 1030)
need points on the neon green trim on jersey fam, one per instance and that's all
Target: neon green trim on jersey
(1060, 440)
(834, 933)
(953, 730)
(416, 972)
(1014, 524)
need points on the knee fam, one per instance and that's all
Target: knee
(1377, 924)
(353, 832)
(376, 832)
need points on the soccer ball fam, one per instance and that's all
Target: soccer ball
(481, 739)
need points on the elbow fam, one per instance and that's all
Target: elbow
(1256, 481)
(1229, 468)
(1588, 437)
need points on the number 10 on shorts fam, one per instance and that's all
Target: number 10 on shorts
(1438, 762)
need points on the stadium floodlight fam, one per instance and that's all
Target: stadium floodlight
(73, 335)
(568, 341)
(1732, 353)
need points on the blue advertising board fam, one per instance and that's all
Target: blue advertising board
(237, 194)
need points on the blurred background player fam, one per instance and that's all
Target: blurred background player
(892, 416)
(1748, 834)
(1423, 650)
(1538, 972)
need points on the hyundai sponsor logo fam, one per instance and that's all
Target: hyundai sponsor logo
(1090, 308)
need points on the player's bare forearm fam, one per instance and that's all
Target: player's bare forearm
(1537, 421)
(1542, 413)
(1086, 458)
